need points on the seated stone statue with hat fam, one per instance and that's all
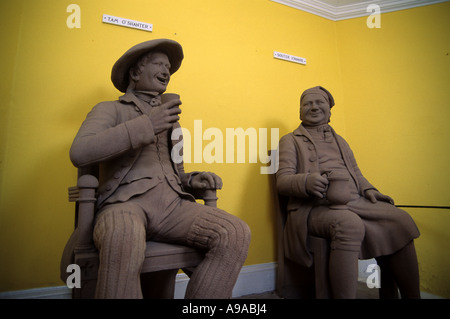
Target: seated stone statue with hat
(141, 193)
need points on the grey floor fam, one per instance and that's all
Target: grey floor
(363, 293)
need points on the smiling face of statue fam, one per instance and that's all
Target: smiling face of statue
(151, 73)
(314, 110)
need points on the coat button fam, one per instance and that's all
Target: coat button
(312, 158)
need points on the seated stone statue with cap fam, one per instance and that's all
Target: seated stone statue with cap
(330, 198)
(142, 190)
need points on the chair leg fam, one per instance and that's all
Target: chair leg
(87, 290)
(298, 281)
(88, 264)
(388, 288)
(159, 284)
(321, 258)
(189, 271)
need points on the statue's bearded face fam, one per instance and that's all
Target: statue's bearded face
(152, 73)
(314, 110)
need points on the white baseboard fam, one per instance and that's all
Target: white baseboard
(60, 292)
(256, 279)
(252, 279)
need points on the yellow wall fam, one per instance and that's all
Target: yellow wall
(396, 92)
(229, 79)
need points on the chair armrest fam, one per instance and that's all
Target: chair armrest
(84, 196)
(84, 182)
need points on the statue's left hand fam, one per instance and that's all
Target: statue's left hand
(374, 196)
(206, 180)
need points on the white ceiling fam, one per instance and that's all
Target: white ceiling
(338, 3)
(346, 9)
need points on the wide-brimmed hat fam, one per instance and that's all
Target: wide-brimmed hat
(119, 72)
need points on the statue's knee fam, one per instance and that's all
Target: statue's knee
(349, 229)
(232, 234)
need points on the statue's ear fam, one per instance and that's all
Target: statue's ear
(134, 74)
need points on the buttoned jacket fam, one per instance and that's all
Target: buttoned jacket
(113, 136)
(297, 159)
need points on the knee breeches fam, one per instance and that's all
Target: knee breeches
(343, 228)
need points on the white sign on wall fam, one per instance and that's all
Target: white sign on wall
(127, 23)
(288, 57)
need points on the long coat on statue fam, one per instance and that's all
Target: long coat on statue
(297, 158)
